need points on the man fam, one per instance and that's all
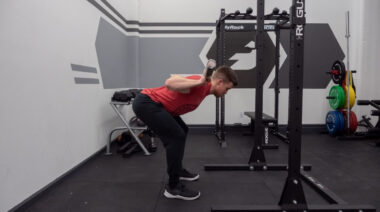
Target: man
(160, 109)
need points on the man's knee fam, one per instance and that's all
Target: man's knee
(186, 129)
(180, 134)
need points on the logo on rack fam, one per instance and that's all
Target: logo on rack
(231, 27)
(267, 27)
(300, 13)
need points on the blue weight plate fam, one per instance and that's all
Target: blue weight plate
(341, 121)
(332, 122)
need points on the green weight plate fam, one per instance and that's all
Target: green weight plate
(339, 97)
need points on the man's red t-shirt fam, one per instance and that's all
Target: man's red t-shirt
(177, 103)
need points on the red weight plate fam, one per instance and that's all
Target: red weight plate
(353, 121)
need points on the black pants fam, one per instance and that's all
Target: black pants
(170, 129)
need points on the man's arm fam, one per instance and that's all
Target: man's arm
(182, 84)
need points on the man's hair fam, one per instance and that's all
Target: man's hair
(226, 74)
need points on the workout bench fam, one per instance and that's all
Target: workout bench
(269, 122)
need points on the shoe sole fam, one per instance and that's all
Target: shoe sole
(189, 179)
(171, 196)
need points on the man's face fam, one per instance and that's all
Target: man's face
(222, 87)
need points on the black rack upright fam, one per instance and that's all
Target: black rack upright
(220, 55)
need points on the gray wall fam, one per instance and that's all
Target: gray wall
(368, 75)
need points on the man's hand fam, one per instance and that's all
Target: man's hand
(211, 64)
(207, 72)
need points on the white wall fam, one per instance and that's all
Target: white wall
(368, 75)
(48, 123)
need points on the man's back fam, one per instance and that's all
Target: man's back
(178, 103)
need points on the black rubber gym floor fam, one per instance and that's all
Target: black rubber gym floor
(351, 169)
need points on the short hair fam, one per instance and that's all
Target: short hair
(226, 74)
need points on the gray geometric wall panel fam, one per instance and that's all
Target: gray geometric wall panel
(131, 61)
(321, 50)
(117, 56)
(235, 45)
(160, 57)
(135, 62)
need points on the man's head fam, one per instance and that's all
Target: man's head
(223, 79)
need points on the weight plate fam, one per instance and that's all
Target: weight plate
(334, 123)
(331, 123)
(338, 72)
(353, 121)
(341, 121)
(338, 95)
(352, 97)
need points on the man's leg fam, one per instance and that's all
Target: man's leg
(173, 137)
(185, 174)
(167, 129)
(182, 124)
(185, 129)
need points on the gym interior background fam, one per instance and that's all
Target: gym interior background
(61, 62)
